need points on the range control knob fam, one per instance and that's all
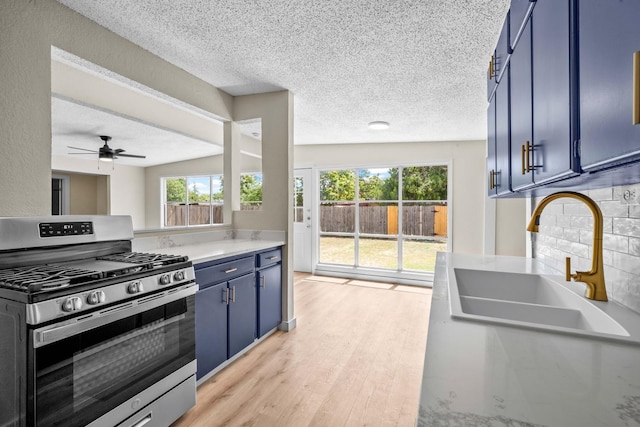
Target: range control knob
(178, 275)
(165, 279)
(134, 287)
(95, 297)
(72, 304)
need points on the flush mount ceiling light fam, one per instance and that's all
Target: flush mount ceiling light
(379, 125)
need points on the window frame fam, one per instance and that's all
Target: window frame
(407, 275)
(212, 201)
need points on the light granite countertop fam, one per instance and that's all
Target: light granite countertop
(210, 246)
(203, 252)
(482, 374)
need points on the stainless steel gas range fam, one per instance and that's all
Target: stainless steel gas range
(92, 333)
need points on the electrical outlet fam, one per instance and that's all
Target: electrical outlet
(630, 195)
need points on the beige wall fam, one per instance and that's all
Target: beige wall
(28, 29)
(121, 190)
(276, 111)
(83, 191)
(467, 160)
(511, 224)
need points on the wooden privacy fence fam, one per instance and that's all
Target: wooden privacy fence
(416, 220)
(175, 214)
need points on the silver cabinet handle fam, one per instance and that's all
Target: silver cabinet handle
(225, 297)
(233, 294)
(271, 258)
(231, 270)
(263, 281)
(143, 421)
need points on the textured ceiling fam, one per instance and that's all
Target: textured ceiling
(76, 125)
(420, 65)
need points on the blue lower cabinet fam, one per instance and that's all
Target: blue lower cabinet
(230, 311)
(242, 313)
(269, 298)
(211, 328)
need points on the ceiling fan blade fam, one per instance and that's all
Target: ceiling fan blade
(83, 149)
(131, 155)
(89, 154)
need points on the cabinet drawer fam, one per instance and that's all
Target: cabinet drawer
(269, 257)
(224, 271)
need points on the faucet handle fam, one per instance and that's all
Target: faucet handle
(567, 269)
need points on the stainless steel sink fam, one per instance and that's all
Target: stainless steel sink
(530, 301)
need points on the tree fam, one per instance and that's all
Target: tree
(338, 185)
(370, 187)
(424, 183)
(176, 190)
(250, 188)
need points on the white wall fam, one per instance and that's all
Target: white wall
(467, 160)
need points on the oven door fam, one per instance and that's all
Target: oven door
(88, 366)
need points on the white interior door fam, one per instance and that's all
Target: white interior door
(302, 230)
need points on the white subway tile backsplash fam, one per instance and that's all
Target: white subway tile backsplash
(601, 194)
(614, 209)
(614, 242)
(626, 262)
(567, 231)
(582, 222)
(626, 226)
(634, 246)
(576, 209)
(634, 211)
(571, 234)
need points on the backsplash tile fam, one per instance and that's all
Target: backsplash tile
(566, 230)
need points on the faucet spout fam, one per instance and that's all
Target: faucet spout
(594, 278)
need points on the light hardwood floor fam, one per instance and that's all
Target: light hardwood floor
(355, 359)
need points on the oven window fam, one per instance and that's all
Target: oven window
(81, 378)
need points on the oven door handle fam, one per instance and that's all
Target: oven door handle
(53, 333)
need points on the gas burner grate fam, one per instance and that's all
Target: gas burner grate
(156, 260)
(44, 277)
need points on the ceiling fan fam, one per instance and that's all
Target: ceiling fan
(106, 153)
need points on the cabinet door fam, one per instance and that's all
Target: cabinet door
(499, 60)
(491, 147)
(269, 298)
(518, 14)
(211, 328)
(609, 37)
(552, 154)
(502, 178)
(521, 110)
(242, 313)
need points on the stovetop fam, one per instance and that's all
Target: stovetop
(49, 277)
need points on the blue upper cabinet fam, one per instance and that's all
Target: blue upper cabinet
(499, 59)
(491, 147)
(502, 176)
(518, 16)
(498, 136)
(551, 156)
(521, 112)
(609, 40)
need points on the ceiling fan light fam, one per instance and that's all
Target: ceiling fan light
(379, 125)
(105, 157)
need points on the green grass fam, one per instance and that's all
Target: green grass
(381, 253)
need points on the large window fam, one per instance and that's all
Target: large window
(193, 200)
(383, 218)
